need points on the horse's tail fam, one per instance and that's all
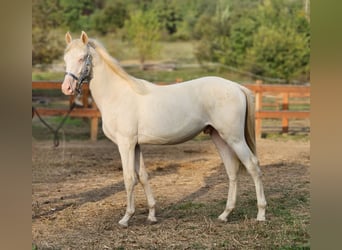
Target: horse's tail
(250, 120)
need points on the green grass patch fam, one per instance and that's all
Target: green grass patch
(185, 74)
(180, 51)
(186, 209)
(293, 247)
(49, 93)
(38, 75)
(189, 206)
(70, 121)
(286, 136)
(286, 226)
(72, 129)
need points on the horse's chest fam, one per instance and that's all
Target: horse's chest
(119, 124)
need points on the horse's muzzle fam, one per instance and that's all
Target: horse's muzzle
(68, 85)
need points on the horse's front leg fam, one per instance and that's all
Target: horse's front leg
(143, 178)
(127, 153)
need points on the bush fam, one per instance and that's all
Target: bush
(110, 18)
(46, 45)
(143, 30)
(278, 53)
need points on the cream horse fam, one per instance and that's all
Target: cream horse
(136, 112)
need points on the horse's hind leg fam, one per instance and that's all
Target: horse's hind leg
(250, 161)
(143, 179)
(231, 164)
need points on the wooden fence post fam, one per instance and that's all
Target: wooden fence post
(94, 124)
(258, 107)
(85, 95)
(71, 100)
(285, 106)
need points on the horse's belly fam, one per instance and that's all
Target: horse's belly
(166, 140)
(169, 135)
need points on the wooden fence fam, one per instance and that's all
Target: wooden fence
(260, 90)
(92, 113)
(284, 92)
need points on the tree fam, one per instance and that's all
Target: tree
(109, 18)
(47, 45)
(77, 14)
(226, 33)
(281, 46)
(168, 13)
(205, 33)
(278, 54)
(143, 30)
(46, 14)
(46, 38)
(240, 40)
(268, 38)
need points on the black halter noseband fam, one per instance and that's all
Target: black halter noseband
(85, 75)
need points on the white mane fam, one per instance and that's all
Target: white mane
(137, 85)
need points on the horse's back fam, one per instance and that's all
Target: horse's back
(200, 87)
(208, 81)
(218, 91)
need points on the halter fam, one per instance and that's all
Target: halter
(86, 72)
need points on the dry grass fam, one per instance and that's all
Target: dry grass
(78, 198)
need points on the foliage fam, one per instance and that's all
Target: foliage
(227, 32)
(266, 38)
(47, 45)
(270, 38)
(233, 51)
(46, 39)
(168, 15)
(110, 18)
(204, 32)
(277, 53)
(76, 14)
(46, 14)
(143, 30)
(281, 44)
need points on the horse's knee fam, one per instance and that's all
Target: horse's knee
(143, 176)
(233, 179)
(130, 181)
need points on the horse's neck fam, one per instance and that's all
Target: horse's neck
(106, 87)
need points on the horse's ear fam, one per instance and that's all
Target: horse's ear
(68, 38)
(84, 37)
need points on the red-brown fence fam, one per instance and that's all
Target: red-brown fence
(284, 92)
(92, 113)
(260, 90)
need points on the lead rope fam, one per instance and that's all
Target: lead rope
(54, 131)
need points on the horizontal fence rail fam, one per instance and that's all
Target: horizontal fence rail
(281, 92)
(92, 113)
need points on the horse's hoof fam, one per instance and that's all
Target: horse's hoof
(123, 223)
(261, 219)
(261, 216)
(222, 219)
(152, 221)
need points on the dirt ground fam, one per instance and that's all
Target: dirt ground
(78, 197)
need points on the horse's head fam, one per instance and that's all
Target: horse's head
(78, 60)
